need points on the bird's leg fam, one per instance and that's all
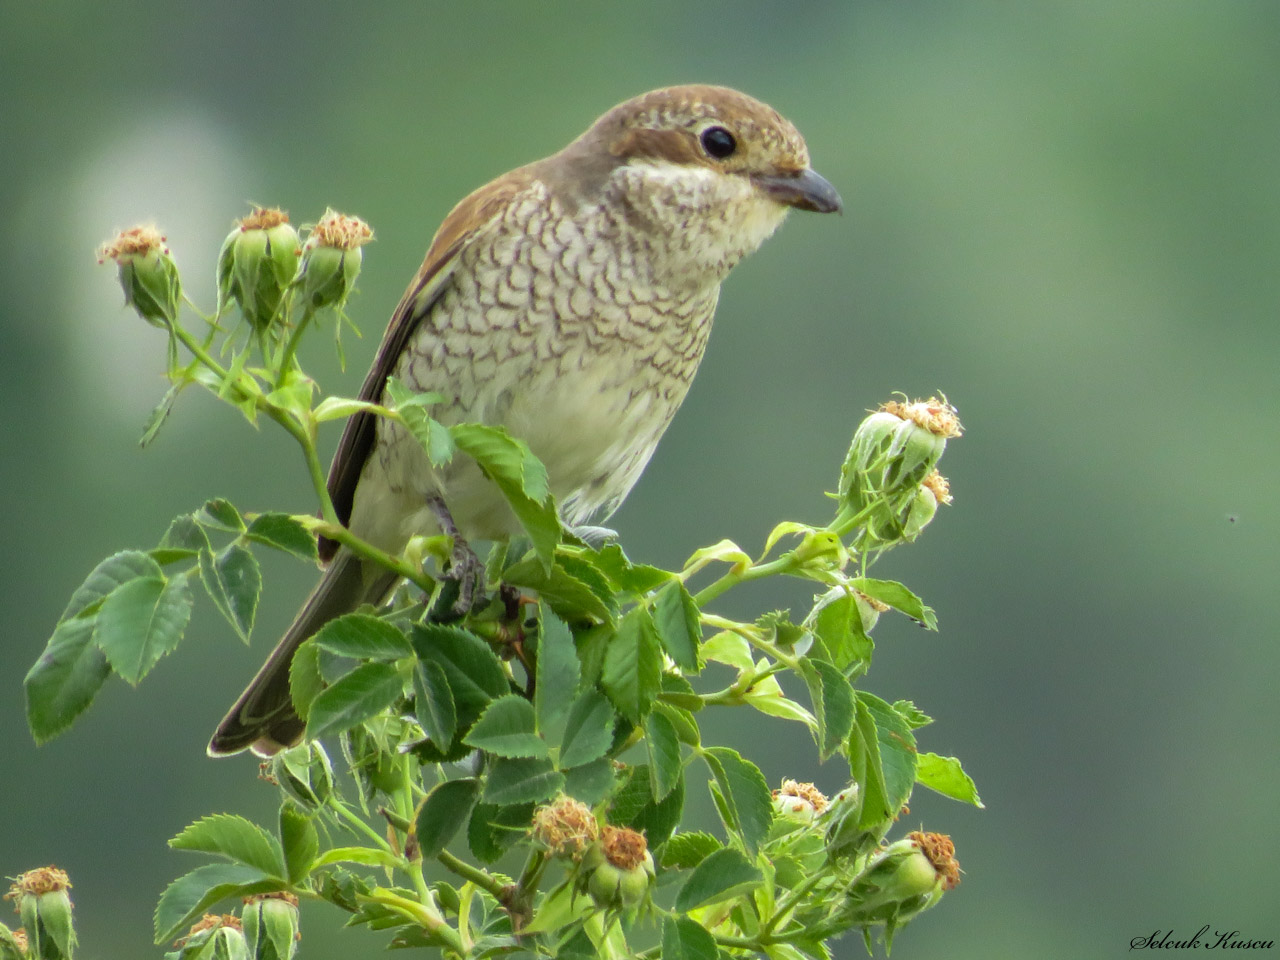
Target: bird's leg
(465, 568)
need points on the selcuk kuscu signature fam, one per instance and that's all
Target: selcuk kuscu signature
(1220, 940)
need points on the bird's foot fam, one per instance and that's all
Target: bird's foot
(466, 578)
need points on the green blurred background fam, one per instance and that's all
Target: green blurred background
(1064, 215)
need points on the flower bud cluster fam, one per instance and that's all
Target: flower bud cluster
(213, 937)
(331, 260)
(270, 922)
(566, 827)
(147, 273)
(889, 484)
(303, 772)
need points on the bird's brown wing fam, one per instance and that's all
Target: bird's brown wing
(464, 222)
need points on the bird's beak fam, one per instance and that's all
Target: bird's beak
(803, 189)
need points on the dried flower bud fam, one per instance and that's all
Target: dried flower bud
(799, 801)
(617, 871)
(258, 260)
(214, 937)
(271, 925)
(566, 827)
(43, 903)
(331, 260)
(13, 944)
(147, 273)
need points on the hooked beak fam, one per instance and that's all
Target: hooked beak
(804, 189)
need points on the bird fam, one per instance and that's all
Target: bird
(568, 301)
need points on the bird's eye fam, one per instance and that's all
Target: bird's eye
(718, 142)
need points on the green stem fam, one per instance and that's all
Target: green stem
(291, 347)
(359, 825)
(335, 531)
(789, 903)
(481, 878)
(784, 564)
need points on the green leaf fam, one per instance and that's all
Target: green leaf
(363, 637)
(868, 771)
(283, 532)
(506, 729)
(588, 731)
(434, 437)
(915, 717)
(897, 751)
(898, 597)
(685, 851)
(522, 780)
(365, 856)
(233, 582)
(744, 789)
(493, 830)
(184, 535)
(434, 703)
(632, 670)
(157, 417)
(299, 840)
(63, 681)
(475, 674)
(141, 621)
(682, 721)
(947, 777)
(590, 782)
(721, 876)
(335, 408)
(236, 839)
(442, 814)
(220, 514)
(632, 578)
(305, 679)
(353, 698)
(557, 674)
(664, 754)
(191, 895)
(676, 618)
(106, 576)
(837, 630)
(633, 806)
(679, 693)
(568, 596)
(832, 696)
(521, 478)
(683, 938)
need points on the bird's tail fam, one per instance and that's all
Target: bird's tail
(263, 719)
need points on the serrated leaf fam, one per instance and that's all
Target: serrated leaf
(492, 829)
(832, 696)
(766, 696)
(521, 478)
(571, 598)
(557, 674)
(897, 750)
(283, 532)
(140, 621)
(299, 840)
(837, 630)
(676, 619)
(185, 534)
(663, 748)
(746, 793)
(64, 680)
(683, 938)
(945, 776)
(236, 839)
(686, 850)
(353, 698)
(442, 814)
(234, 582)
(305, 679)
(721, 876)
(365, 856)
(363, 637)
(474, 673)
(633, 806)
(506, 729)
(434, 703)
(915, 717)
(106, 576)
(730, 649)
(588, 731)
(590, 782)
(679, 693)
(434, 437)
(191, 895)
(898, 597)
(220, 514)
(632, 578)
(522, 780)
(632, 672)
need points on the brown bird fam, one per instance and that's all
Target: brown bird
(568, 301)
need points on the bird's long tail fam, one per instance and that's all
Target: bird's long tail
(263, 719)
